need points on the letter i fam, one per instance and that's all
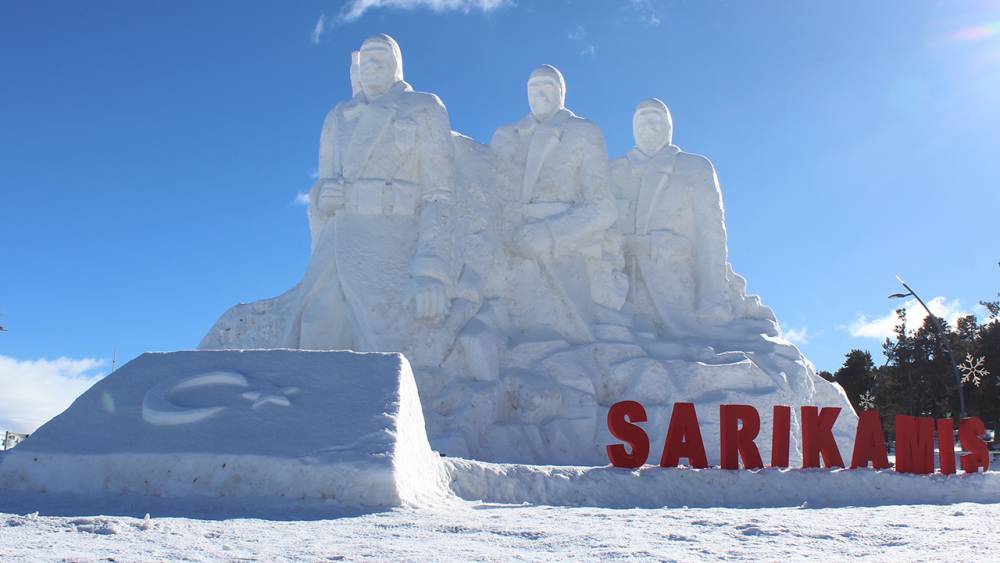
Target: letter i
(780, 435)
(946, 445)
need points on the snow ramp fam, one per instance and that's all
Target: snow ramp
(267, 431)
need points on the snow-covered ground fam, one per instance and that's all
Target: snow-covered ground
(503, 532)
(219, 459)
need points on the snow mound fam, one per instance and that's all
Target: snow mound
(655, 487)
(264, 427)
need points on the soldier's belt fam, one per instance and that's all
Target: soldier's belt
(376, 196)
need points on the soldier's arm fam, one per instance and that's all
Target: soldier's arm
(329, 159)
(329, 155)
(595, 211)
(711, 254)
(437, 178)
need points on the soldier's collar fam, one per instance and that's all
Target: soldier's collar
(530, 125)
(389, 96)
(638, 158)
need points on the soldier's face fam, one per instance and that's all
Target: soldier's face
(651, 131)
(378, 69)
(543, 97)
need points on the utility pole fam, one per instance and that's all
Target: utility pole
(943, 344)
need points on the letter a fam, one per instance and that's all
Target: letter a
(684, 438)
(869, 442)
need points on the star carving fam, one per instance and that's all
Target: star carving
(268, 394)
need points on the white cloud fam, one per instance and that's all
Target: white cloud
(981, 313)
(796, 335)
(354, 9)
(301, 198)
(591, 50)
(317, 31)
(882, 327)
(33, 391)
(646, 12)
(578, 33)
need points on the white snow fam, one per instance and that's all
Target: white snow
(655, 487)
(335, 429)
(483, 531)
(293, 434)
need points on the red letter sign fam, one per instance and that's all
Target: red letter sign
(779, 435)
(628, 433)
(946, 445)
(869, 442)
(969, 432)
(817, 437)
(684, 438)
(738, 442)
(914, 444)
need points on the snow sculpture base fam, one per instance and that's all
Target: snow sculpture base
(550, 406)
(656, 487)
(264, 427)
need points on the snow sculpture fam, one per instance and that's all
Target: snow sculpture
(552, 180)
(670, 214)
(386, 172)
(264, 430)
(355, 73)
(552, 302)
(688, 308)
(526, 300)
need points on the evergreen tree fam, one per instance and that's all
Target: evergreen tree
(856, 376)
(917, 378)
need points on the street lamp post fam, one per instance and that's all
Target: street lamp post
(942, 342)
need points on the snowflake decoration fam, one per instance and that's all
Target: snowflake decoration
(867, 401)
(972, 370)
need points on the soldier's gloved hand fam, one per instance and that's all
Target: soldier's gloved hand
(430, 299)
(330, 197)
(533, 240)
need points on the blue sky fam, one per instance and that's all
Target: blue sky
(152, 151)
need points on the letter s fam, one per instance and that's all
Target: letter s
(629, 433)
(969, 432)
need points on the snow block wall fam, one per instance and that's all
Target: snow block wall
(337, 428)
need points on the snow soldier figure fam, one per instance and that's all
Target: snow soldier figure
(671, 218)
(552, 179)
(381, 272)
